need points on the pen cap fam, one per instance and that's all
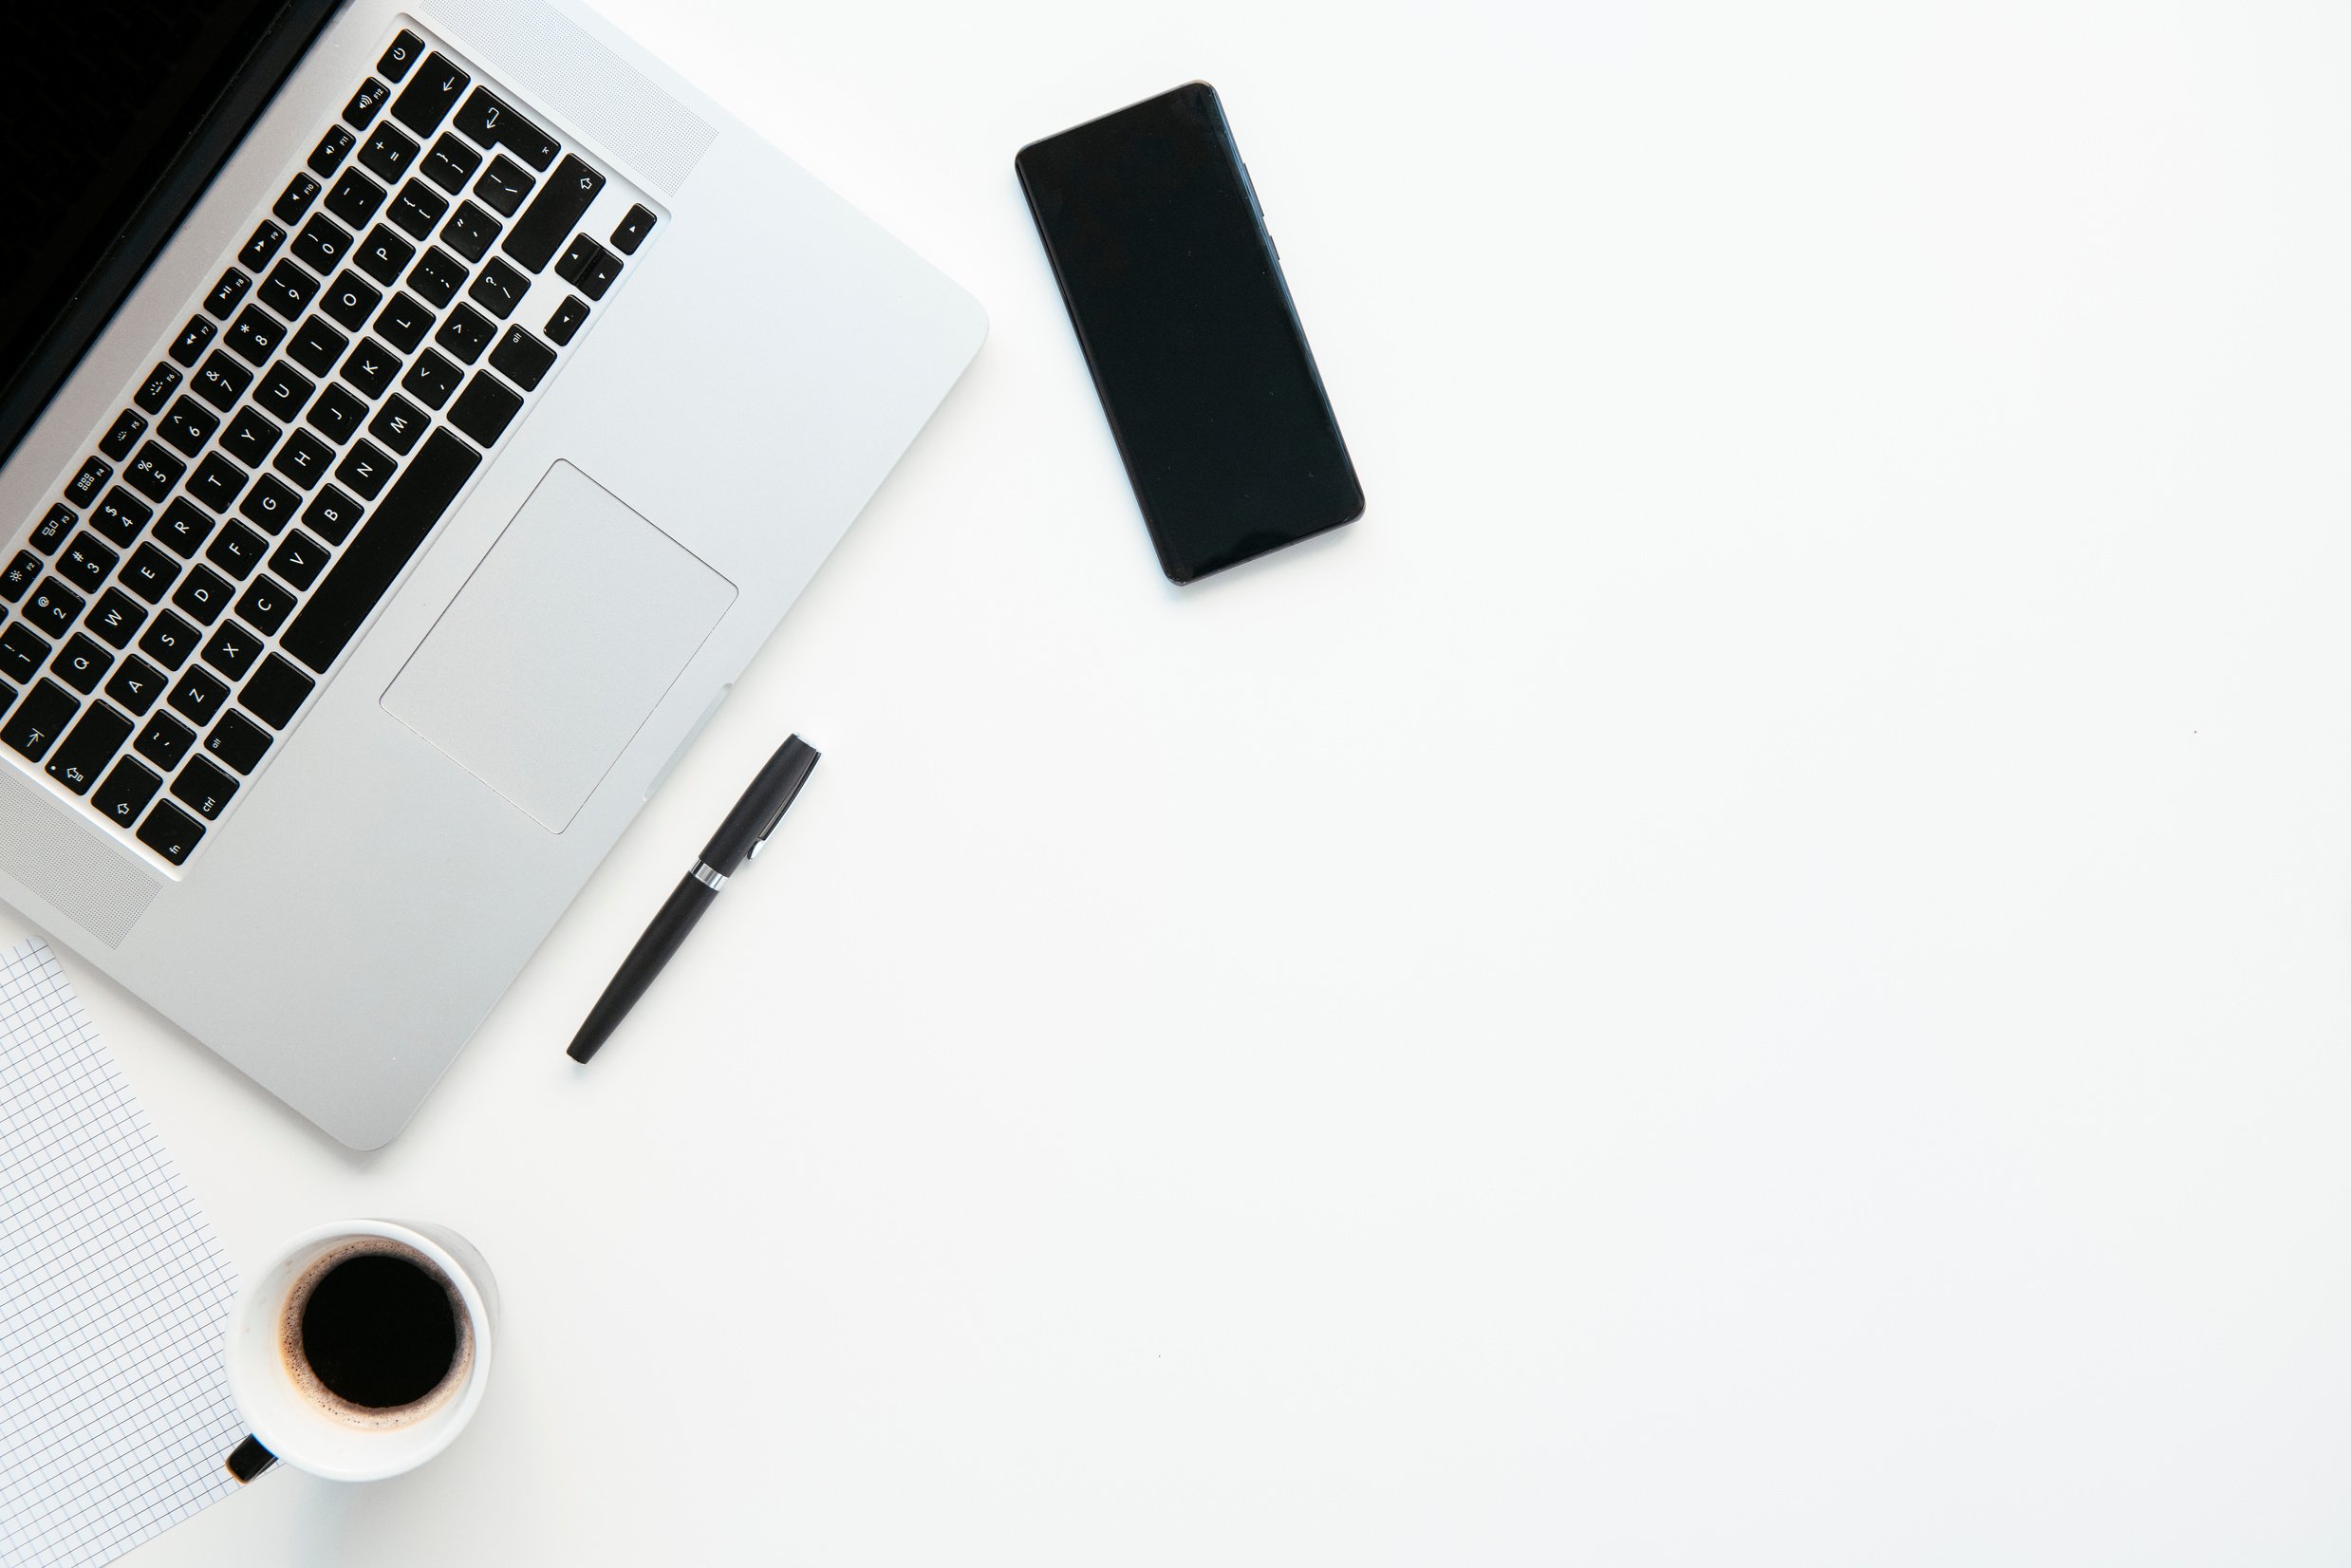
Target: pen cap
(762, 806)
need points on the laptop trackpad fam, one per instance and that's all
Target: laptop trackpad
(558, 646)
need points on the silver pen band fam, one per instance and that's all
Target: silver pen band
(708, 878)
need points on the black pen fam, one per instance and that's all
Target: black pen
(738, 838)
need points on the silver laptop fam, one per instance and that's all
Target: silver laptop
(415, 417)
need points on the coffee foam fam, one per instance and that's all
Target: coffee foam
(370, 1417)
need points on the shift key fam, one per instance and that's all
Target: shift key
(548, 221)
(90, 747)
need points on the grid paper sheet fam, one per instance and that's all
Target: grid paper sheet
(115, 1413)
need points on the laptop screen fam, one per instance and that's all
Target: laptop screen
(102, 102)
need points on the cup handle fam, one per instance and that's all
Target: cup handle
(248, 1458)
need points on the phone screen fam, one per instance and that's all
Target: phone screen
(1178, 298)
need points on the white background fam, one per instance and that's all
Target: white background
(1755, 968)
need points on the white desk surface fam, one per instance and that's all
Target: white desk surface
(1755, 968)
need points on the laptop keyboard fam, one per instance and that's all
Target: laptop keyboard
(417, 282)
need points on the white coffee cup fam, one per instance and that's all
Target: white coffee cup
(291, 1421)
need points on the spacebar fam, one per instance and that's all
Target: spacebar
(409, 510)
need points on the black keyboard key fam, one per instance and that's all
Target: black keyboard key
(53, 607)
(384, 253)
(389, 152)
(123, 434)
(602, 268)
(371, 368)
(227, 292)
(233, 650)
(88, 747)
(498, 289)
(156, 389)
(189, 425)
(333, 515)
(485, 408)
(432, 379)
(256, 335)
(355, 199)
(169, 833)
(169, 640)
(192, 337)
(336, 415)
(471, 232)
(568, 193)
(124, 792)
(200, 694)
(265, 604)
(269, 505)
(204, 787)
(632, 230)
(466, 333)
(237, 550)
(572, 265)
(426, 102)
(362, 110)
(528, 142)
(402, 54)
(404, 322)
(264, 245)
(343, 600)
(398, 424)
(365, 469)
(90, 479)
(35, 723)
(565, 323)
(299, 560)
(117, 617)
(352, 299)
(86, 563)
(52, 530)
(438, 277)
(322, 245)
(184, 528)
(297, 199)
(332, 150)
(121, 515)
(522, 359)
(153, 472)
(288, 289)
(22, 653)
(304, 458)
(450, 164)
(238, 742)
(150, 573)
(418, 208)
(165, 741)
(216, 482)
(491, 121)
(249, 437)
(282, 392)
(277, 692)
(222, 379)
(203, 595)
(135, 685)
(316, 347)
(503, 185)
(81, 663)
(20, 574)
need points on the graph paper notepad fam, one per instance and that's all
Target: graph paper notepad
(113, 1411)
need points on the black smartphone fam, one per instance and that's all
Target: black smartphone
(1175, 289)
